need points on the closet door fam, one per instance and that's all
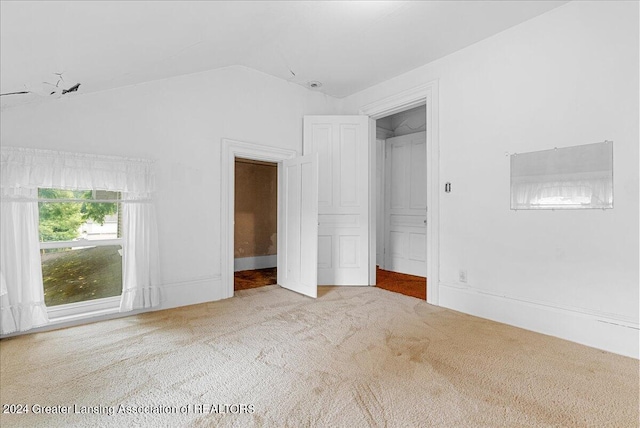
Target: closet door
(297, 269)
(343, 147)
(406, 204)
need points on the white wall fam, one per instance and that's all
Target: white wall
(565, 78)
(179, 122)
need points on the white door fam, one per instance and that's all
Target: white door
(297, 261)
(406, 204)
(343, 146)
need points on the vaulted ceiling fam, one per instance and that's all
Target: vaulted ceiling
(346, 45)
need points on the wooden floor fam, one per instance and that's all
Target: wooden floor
(247, 279)
(409, 285)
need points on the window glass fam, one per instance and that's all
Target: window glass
(80, 245)
(73, 275)
(80, 214)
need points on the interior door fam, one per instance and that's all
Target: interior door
(406, 204)
(343, 146)
(297, 261)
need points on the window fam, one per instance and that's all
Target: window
(578, 177)
(97, 249)
(80, 245)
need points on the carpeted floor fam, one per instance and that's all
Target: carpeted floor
(356, 356)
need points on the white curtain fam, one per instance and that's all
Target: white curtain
(21, 292)
(33, 168)
(140, 285)
(25, 170)
(7, 320)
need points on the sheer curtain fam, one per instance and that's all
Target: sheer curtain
(21, 292)
(140, 287)
(7, 322)
(23, 172)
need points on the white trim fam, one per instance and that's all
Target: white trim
(380, 211)
(591, 328)
(82, 242)
(80, 313)
(83, 310)
(257, 262)
(78, 320)
(373, 206)
(94, 201)
(403, 101)
(230, 150)
(425, 94)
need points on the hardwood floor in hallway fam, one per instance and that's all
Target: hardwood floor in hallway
(246, 279)
(409, 285)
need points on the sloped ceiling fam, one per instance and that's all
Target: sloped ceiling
(346, 45)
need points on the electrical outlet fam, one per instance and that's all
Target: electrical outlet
(462, 275)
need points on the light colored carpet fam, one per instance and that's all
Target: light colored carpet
(354, 357)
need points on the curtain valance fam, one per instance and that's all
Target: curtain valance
(33, 168)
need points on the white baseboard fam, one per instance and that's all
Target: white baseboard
(602, 331)
(252, 263)
(191, 292)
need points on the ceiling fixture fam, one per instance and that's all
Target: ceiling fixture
(314, 84)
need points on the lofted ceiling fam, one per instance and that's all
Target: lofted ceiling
(346, 45)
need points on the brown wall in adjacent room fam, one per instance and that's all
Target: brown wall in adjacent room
(256, 207)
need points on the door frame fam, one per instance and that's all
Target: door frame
(424, 94)
(232, 149)
(380, 237)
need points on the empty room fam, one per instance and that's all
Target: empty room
(310, 213)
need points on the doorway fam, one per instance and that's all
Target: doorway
(426, 94)
(401, 206)
(255, 223)
(297, 215)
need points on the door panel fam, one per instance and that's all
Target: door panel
(324, 252)
(321, 138)
(349, 165)
(342, 144)
(298, 271)
(405, 204)
(418, 175)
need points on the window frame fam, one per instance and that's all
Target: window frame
(92, 307)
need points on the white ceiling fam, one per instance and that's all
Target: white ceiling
(346, 45)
